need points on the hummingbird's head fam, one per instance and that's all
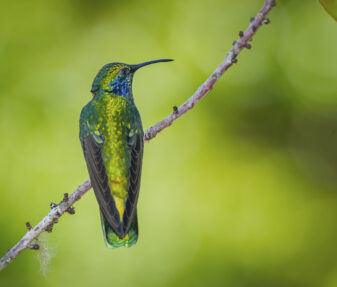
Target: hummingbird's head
(117, 78)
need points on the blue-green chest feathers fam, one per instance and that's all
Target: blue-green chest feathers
(120, 87)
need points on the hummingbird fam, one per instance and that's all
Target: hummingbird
(111, 135)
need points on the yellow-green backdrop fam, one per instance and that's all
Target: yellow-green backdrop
(241, 191)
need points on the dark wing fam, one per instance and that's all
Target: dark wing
(136, 146)
(92, 150)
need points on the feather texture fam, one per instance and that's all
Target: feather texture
(111, 135)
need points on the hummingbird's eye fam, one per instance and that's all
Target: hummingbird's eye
(123, 72)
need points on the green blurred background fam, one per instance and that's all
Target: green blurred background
(241, 191)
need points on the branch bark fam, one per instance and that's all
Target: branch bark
(65, 205)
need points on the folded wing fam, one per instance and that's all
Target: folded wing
(92, 149)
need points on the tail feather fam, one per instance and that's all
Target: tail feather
(111, 238)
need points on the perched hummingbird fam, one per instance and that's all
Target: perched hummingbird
(111, 135)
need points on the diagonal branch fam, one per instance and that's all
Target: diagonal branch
(29, 240)
(210, 82)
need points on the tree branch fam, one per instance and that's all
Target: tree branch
(213, 78)
(29, 240)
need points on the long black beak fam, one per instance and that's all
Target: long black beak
(136, 67)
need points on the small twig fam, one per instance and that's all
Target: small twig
(29, 227)
(46, 224)
(34, 246)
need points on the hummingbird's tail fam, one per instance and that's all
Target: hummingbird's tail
(111, 238)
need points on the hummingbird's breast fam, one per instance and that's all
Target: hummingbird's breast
(115, 120)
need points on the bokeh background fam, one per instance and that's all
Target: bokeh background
(241, 191)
